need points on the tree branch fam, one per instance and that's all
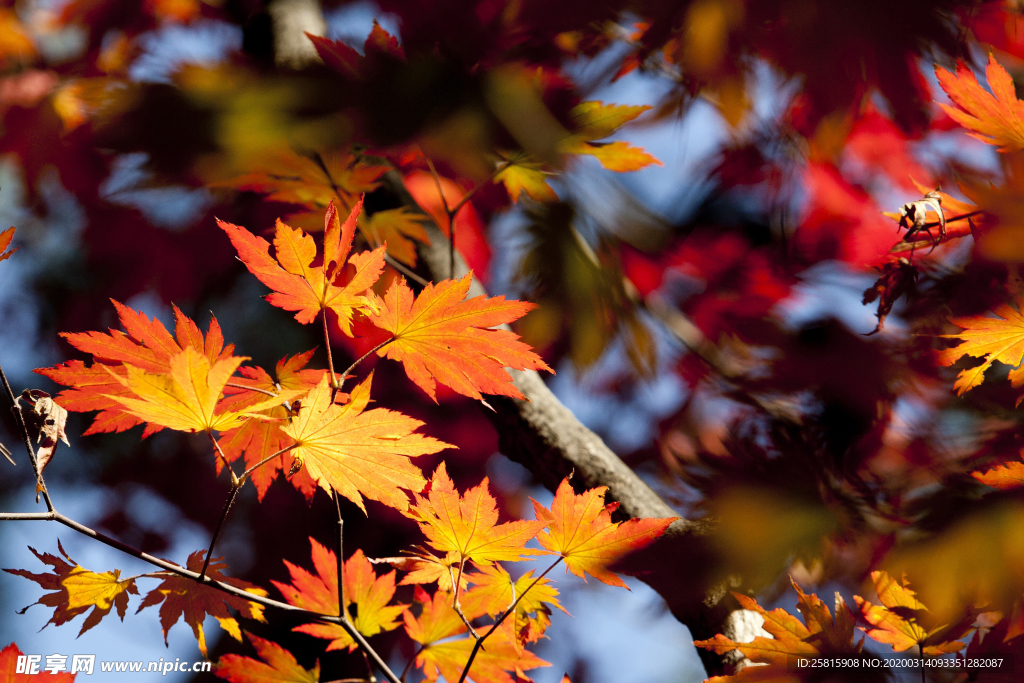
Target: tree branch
(205, 580)
(544, 436)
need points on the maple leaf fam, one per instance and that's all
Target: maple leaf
(820, 633)
(298, 285)
(370, 594)
(494, 591)
(438, 336)
(77, 589)
(1007, 476)
(186, 399)
(896, 621)
(181, 597)
(399, 229)
(501, 656)
(258, 439)
(437, 622)
(467, 525)
(998, 338)
(145, 344)
(423, 568)
(5, 241)
(519, 175)
(595, 120)
(359, 452)
(581, 530)
(347, 60)
(278, 665)
(9, 667)
(996, 118)
(312, 181)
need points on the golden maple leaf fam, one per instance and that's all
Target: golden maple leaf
(467, 525)
(186, 398)
(360, 453)
(993, 338)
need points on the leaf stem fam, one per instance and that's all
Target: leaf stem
(265, 460)
(366, 355)
(16, 410)
(341, 559)
(408, 666)
(224, 460)
(401, 268)
(256, 389)
(55, 516)
(220, 525)
(330, 357)
(494, 627)
(455, 602)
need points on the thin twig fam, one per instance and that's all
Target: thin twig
(205, 580)
(256, 389)
(341, 559)
(369, 670)
(455, 602)
(423, 282)
(220, 525)
(330, 357)
(224, 460)
(266, 460)
(363, 357)
(16, 409)
(448, 212)
(479, 643)
(408, 666)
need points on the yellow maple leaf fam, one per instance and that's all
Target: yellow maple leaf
(467, 525)
(360, 453)
(77, 589)
(186, 398)
(999, 338)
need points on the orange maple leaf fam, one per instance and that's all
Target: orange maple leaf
(299, 285)
(438, 336)
(145, 344)
(996, 118)
(359, 452)
(278, 665)
(313, 182)
(186, 398)
(819, 634)
(581, 530)
(991, 338)
(370, 594)
(5, 241)
(1007, 476)
(180, 597)
(423, 568)
(438, 656)
(896, 621)
(467, 526)
(9, 667)
(77, 589)
(257, 439)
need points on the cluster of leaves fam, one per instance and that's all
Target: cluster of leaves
(193, 383)
(901, 621)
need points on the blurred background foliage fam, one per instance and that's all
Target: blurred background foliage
(700, 256)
